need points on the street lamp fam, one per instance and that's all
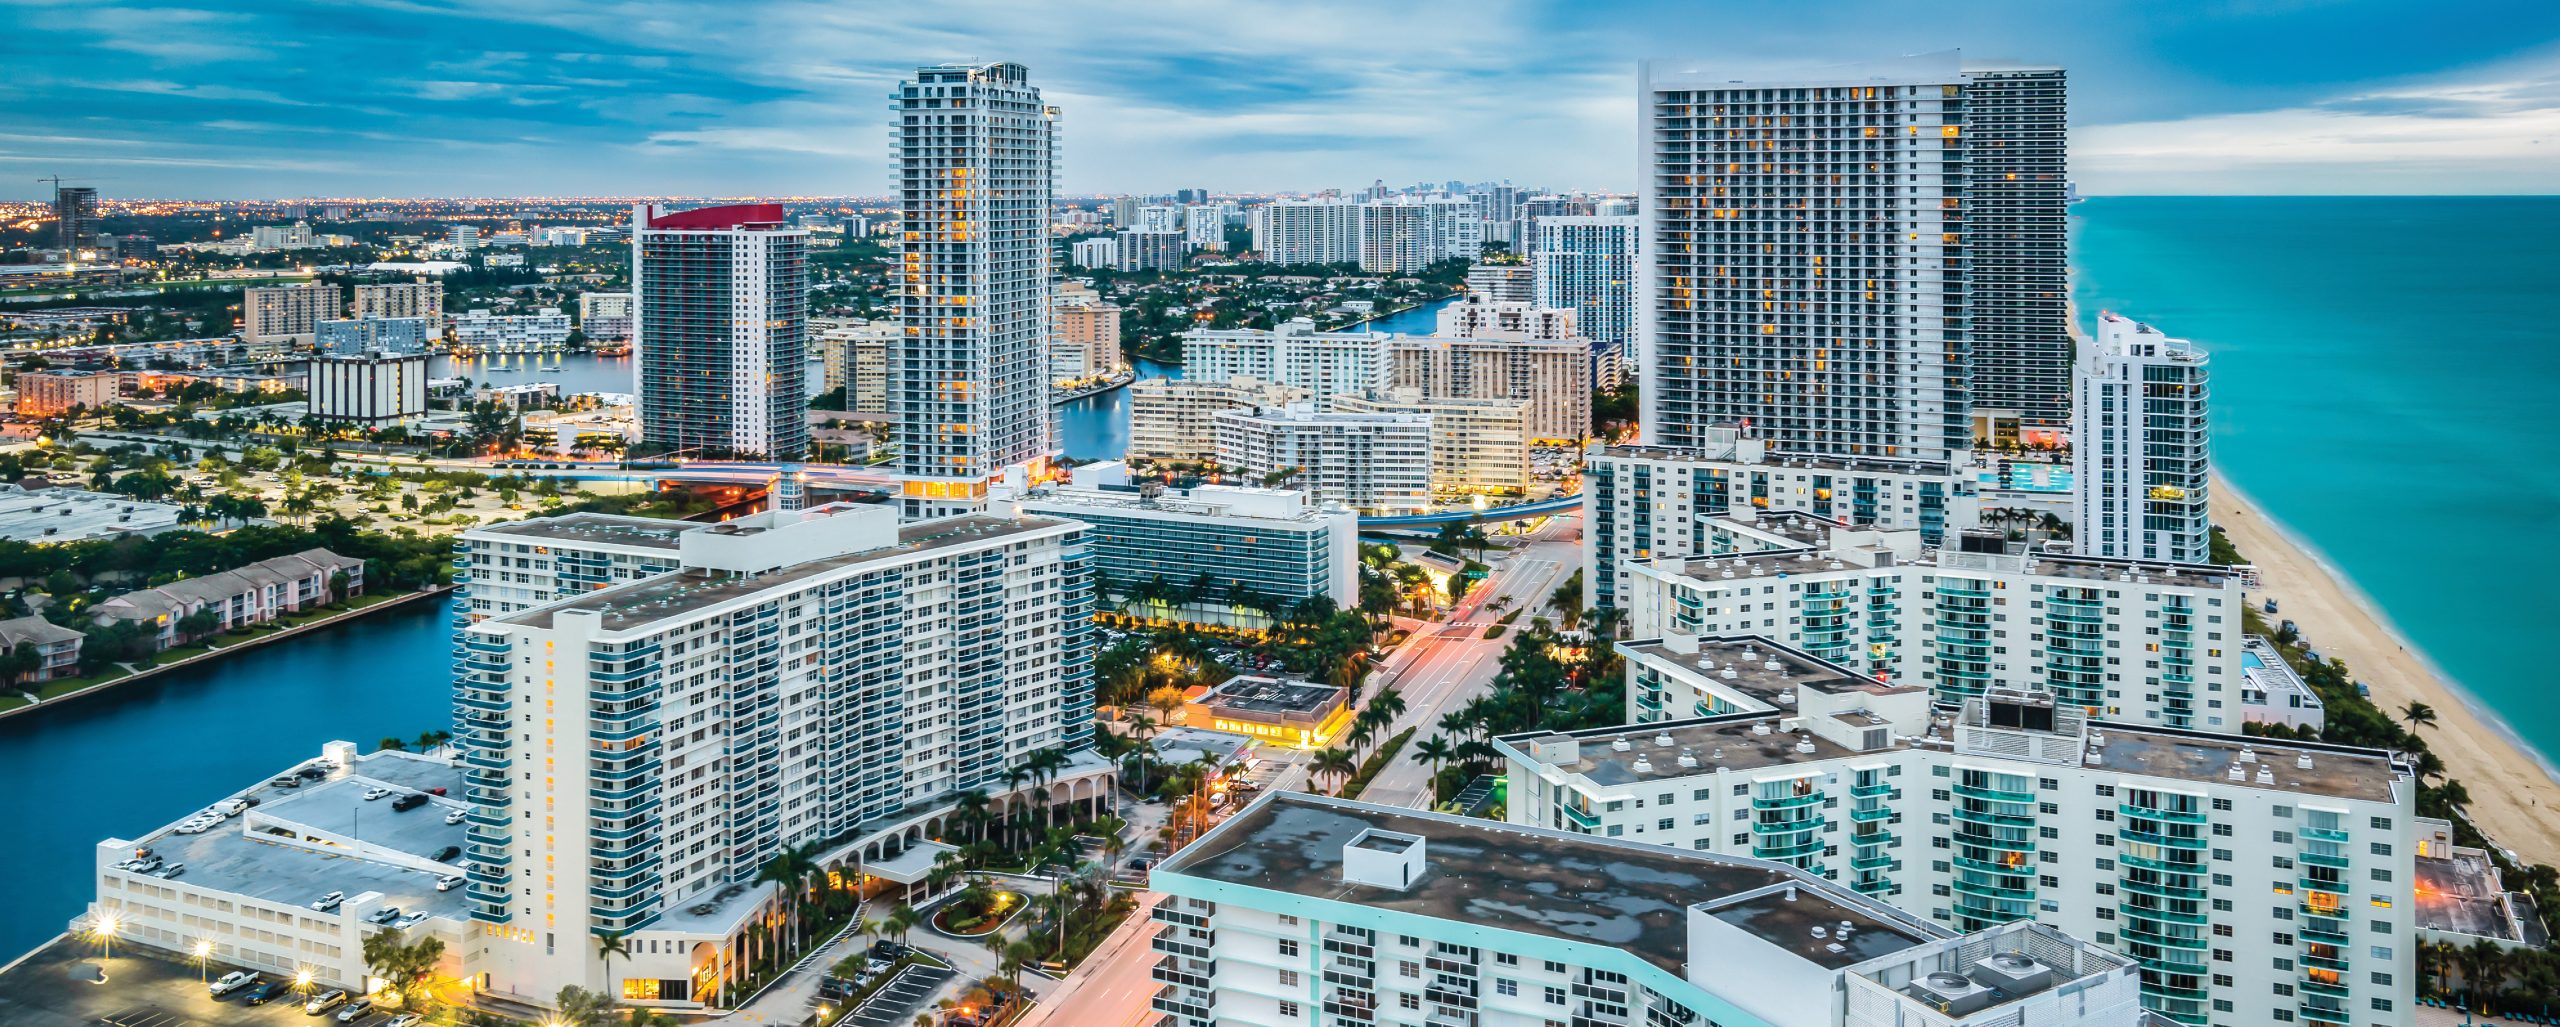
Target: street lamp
(204, 958)
(302, 982)
(105, 929)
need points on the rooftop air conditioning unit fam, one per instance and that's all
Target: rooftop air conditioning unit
(2013, 972)
(1953, 994)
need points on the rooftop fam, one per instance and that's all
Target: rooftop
(1262, 696)
(242, 857)
(1595, 891)
(2366, 775)
(1719, 743)
(596, 529)
(1761, 669)
(2464, 895)
(667, 596)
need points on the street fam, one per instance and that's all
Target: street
(1444, 666)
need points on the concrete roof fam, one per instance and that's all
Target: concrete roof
(1613, 894)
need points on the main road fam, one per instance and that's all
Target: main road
(1447, 663)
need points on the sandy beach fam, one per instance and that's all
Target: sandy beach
(2513, 799)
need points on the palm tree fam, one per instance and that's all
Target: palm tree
(2484, 968)
(609, 946)
(2418, 715)
(1430, 752)
(900, 921)
(1389, 704)
(786, 871)
(1336, 762)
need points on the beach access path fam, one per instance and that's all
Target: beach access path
(2513, 799)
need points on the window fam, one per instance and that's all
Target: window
(1554, 967)
(1408, 1000)
(1506, 959)
(1288, 978)
(1288, 946)
(1288, 1010)
(1506, 987)
(1555, 995)
(1408, 968)
(1288, 920)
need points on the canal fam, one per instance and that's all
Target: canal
(145, 754)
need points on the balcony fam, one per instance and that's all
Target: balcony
(2161, 915)
(2177, 816)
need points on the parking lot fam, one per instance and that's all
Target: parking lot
(57, 987)
(896, 1003)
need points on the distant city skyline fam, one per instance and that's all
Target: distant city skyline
(220, 99)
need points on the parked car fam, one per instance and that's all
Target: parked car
(405, 1020)
(264, 993)
(313, 773)
(329, 902)
(449, 882)
(287, 781)
(231, 982)
(376, 792)
(170, 872)
(454, 817)
(234, 808)
(384, 915)
(448, 852)
(324, 1002)
(408, 802)
(356, 1010)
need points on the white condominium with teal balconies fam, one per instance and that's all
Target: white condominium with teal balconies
(2139, 641)
(2252, 883)
(2142, 483)
(634, 755)
(1306, 911)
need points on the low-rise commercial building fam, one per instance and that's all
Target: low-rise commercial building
(2271, 693)
(1306, 909)
(1372, 463)
(2251, 881)
(70, 515)
(1273, 711)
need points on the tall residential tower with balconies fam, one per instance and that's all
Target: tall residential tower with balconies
(720, 330)
(969, 382)
(2139, 470)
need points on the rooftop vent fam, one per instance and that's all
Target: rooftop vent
(1619, 745)
(1731, 674)
(1787, 698)
(2237, 774)
(1643, 765)
(2266, 775)
(1663, 740)
(1804, 744)
(1760, 728)
(2013, 972)
(2247, 755)
(2302, 761)
(1717, 754)
(1688, 760)
(1951, 993)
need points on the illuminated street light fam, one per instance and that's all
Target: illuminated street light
(204, 957)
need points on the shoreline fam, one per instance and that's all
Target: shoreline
(147, 673)
(2514, 789)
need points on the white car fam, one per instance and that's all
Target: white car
(356, 1010)
(384, 915)
(448, 882)
(405, 1020)
(231, 982)
(329, 902)
(454, 817)
(324, 1002)
(371, 794)
(234, 808)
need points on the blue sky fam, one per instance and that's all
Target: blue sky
(231, 98)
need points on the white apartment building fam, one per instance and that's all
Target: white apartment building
(1307, 910)
(1099, 251)
(1408, 235)
(1479, 447)
(1550, 379)
(605, 316)
(1205, 227)
(517, 565)
(1307, 232)
(2123, 640)
(2250, 882)
(370, 387)
(402, 299)
(855, 358)
(814, 675)
(1648, 503)
(287, 313)
(2140, 476)
(1589, 265)
(1500, 283)
(1257, 549)
(1159, 218)
(1372, 463)
(544, 331)
(1150, 250)
(1295, 354)
(1503, 319)
(2271, 693)
(977, 169)
(374, 335)
(1175, 419)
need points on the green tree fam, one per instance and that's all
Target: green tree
(402, 964)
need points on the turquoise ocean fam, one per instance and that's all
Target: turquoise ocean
(2384, 378)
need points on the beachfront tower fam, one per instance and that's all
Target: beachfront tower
(1846, 263)
(2138, 446)
(969, 381)
(720, 330)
